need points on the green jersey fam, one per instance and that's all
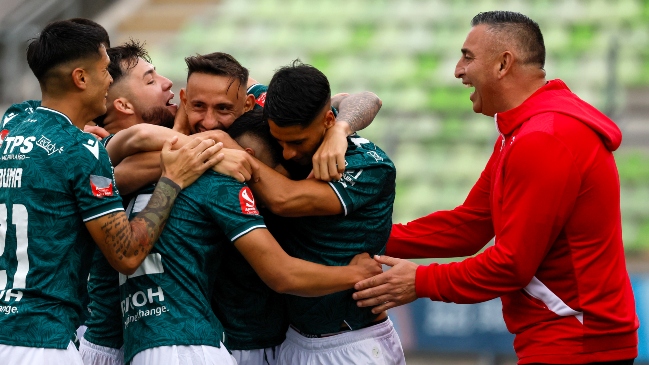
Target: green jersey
(103, 292)
(252, 314)
(166, 301)
(45, 247)
(366, 192)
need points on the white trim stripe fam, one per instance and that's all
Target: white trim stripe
(55, 111)
(152, 264)
(103, 213)
(340, 197)
(541, 292)
(247, 231)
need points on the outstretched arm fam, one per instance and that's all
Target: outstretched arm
(355, 112)
(125, 244)
(286, 274)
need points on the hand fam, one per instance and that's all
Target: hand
(238, 164)
(181, 122)
(186, 164)
(390, 289)
(370, 266)
(97, 131)
(329, 159)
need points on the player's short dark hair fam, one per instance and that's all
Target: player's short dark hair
(64, 41)
(252, 123)
(219, 64)
(296, 94)
(523, 30)
(125, 57)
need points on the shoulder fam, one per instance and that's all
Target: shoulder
(20, 109)
(362, 152)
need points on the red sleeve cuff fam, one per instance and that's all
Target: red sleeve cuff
(425, 284)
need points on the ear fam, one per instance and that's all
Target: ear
(123, 106)
(250, 103)
(506, 61)
(329, 119)
(250, 151)
(79, 78)
(183, 97)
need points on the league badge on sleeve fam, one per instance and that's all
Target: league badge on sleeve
(101, 186)
(261, 99)
(247, 201)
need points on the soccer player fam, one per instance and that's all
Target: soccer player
(50, 210)
(137, 95)
(332, 222)
(253, 315)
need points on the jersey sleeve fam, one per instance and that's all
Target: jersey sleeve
(368, 173)
(233, 207)
(94, 182)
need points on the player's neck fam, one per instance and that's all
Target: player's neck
(71, 107)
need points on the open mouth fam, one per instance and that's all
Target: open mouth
(171, 106)
(470, 85)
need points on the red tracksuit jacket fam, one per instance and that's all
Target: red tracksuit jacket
(550, 193)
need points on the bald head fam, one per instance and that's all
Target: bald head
(516, 33)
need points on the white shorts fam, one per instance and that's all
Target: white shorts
(267, 356)
(377, 344)
(184, 355)
(19, 355)
(93, 354)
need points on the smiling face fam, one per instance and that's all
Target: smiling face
(150, 93)
(212, 102)
(99, 81)
(478, 67)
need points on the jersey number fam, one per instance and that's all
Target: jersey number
(20, 220)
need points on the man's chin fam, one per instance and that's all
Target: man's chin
(159, 115)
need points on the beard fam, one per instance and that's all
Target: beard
(158, 115)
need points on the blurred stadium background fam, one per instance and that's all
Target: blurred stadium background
(405, 51)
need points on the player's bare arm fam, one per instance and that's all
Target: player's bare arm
(125, 244)
(290, 198)
(133, 152)
(355, 112)
(286, 274)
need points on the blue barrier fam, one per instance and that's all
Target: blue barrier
(425, 325)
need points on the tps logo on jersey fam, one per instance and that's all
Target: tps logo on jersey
(101, 186)
(247, 201)
(261, 100)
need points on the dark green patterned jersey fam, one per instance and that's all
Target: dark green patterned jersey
(259, 92)
(104, 326)
(366, 192)
(167, 300)
(252, 314)
(53, 178)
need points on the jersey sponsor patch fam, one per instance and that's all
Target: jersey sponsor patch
(261, 99)
(247, 201)
(101, 186)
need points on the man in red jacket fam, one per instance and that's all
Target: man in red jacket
(550, 194)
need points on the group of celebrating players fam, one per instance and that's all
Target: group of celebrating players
(205, 282)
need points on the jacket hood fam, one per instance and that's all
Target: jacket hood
(556, 97)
